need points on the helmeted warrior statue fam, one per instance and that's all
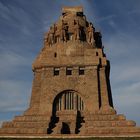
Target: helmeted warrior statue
(63, 31)
(90, 36)
(51, 35)
(76, 30)
(46, 37)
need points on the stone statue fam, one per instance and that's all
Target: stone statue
(46, 38)
(51, 35)
(63, 31)
(90, 35)
(76, 30)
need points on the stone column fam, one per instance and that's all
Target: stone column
(62, 102)
(75, 102)
(103, 90)
(96, 77)
(36, 91)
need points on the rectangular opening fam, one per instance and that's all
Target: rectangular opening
(69, 71)
(56, 71)
(81, 70)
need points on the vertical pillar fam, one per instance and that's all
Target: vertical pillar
(103, 89)
(66, 101)
(75, 102)
(97, 101)
(72, 100)
(63, 102)
(69, 100)
(36, 93)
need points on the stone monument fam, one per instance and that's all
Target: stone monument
(71, 91)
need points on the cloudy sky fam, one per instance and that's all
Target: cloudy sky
(22, 26)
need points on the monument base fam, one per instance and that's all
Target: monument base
(99, 124)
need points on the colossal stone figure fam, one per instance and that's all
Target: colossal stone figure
(90, 31)
(46, 38)
(51, 35)
(76, 30)
(63, 31)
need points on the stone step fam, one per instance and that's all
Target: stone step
(32, 118)
(96, 131)
(113, 130)
(25, 124)
(23, 131)
(82, 129)
(31, 124)
(56, 129)
(7, 124)
(122, 123)
(104, 117)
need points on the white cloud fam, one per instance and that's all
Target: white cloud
(128, 95)
(134, 11)
(11, 62)
(127, 101)
(125, 73)
(13, 59)
(4, 11)
(106, 18)
(123, 52)
(14, 95)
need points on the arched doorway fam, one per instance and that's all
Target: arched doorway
(67, 107)
(68, 100)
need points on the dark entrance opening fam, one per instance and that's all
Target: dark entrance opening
(65, 128)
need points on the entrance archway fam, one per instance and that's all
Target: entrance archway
(68, 100)
(66, 115)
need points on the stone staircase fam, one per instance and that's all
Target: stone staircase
(26, 125)
(111, 125)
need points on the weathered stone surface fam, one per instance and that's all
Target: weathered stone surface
(71, 91)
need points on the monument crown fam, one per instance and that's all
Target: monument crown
(72, 9)
(73, 25)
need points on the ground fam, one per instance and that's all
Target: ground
(120, 138)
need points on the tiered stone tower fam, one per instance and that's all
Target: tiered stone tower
(71, 91)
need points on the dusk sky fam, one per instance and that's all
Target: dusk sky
(22, 27)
